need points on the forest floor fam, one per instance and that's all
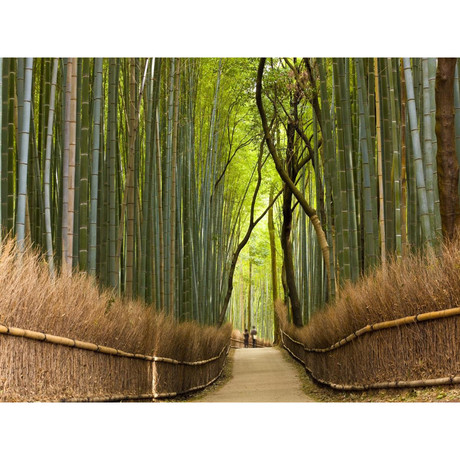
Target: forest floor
(322, 393)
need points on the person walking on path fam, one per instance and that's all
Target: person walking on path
(254, 337)
(246, 338)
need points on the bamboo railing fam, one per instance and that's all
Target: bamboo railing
(454, 378)
(100, 349)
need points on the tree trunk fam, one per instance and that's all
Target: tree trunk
(311, 213)
(286, 244)
(446, 158)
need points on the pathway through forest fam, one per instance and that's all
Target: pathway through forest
(260, 375)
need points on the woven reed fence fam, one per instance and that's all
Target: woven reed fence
(35, 366)
(414, 351)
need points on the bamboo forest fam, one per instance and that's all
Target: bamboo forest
(312, 200)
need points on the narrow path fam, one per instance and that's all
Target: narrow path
(260, 375)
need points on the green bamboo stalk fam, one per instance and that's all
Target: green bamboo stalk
(187, 205)
(76, 222)
(11, 156)
(154, 194)
(383, 255)
(23, 155)
(418, 162)
(84, 165)
(130, 181)
(396, 173)
(350, 182)
(387, 163)
(167, 202)
(370, 214)
(344, 254)
(146, 243)
(427, 143)
(95, 167)
(112, 152)
(2, 134)
(72, 145)
(5, 142)
(174, 207)
(19, 100)
(47, 170)
(65, 167)
(404, 236)
(103, 203)
(329, 155)
(37, 221)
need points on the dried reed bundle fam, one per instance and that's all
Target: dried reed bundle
(409, 351)
(74, 308)
(411, 286)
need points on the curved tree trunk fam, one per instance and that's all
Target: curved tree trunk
(311, 212)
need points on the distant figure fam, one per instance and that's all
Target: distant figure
(246, 338)
(254, 337)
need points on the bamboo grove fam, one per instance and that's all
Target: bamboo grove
(355, 142)
(167, 178)
(115, 167)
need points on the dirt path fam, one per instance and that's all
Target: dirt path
(260, 375)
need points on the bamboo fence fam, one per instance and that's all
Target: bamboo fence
(44, 367)
(414, 351)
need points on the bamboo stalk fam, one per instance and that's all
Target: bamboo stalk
(92, 234)
(404, 238)
(23, 155)
(418, 162)
(47, 172)
(380, 169)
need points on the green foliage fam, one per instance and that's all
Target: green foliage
(182, 250)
